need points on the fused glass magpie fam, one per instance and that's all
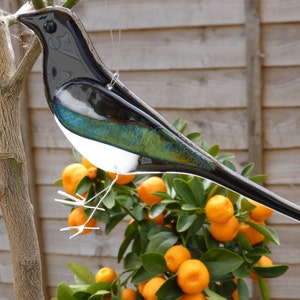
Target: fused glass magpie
(112, 127)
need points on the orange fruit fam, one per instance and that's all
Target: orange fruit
(175, 256)
(128, 294)
(71, 176)
(260, 212)
(122, 179)
(141, 287)
(151, 287)
(252, 234)
(159, 220)
(264, 261)
(146, 189)
(192, 276)
(86, 163)
(77, 217)
(219, 209)
(235, 295)
(92, 172)
(106, 274)
(193, 297)
(225, 232)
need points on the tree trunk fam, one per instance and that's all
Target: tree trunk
(15, 202)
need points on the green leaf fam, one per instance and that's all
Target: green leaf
(109, 200)
(93, 288)
(184, 192)
(194, 136)
(185, 222)
(247, 170)
(225, 156)
(161, 241)
(267, 231)
(82, 272)
(131, 233)
(77, 155)
(214, 150)
(221, 261)
(271, 271)
(132, 260)
(264, 289)
(156, 209)
(113, 221)
(64, 292)
(258, 178)
(169, 290)
(242, 272)
(154, 263)
(243, 290)
(212, 295)
(196, 186)
(141, 275)
(83, 186)
(58, 182)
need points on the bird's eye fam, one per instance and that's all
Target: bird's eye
(50, 26)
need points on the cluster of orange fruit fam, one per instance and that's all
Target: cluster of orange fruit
(71, 176)
(224, 226)
(192, 275)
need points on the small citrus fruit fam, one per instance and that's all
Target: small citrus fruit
(260, 212)
(105, 274)
(225, 232)
(219, 209)
(77, 217)
(86, 163)
(193, 297)
(159, 220)
(175, 256)
(141, 287)
(151, 287)
(235, 295)
(128, 294)
(122, 178)
(71, 176)
(192, 276)
(146, 189)
(92, 172)
(264, 261)
(252, 234)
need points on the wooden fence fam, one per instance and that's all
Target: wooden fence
(230, 68)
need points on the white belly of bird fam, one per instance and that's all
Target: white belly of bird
(103, 156)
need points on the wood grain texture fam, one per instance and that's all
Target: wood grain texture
(188, 59)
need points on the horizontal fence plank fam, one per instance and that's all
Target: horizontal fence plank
(281, 128)
(6, 291)
(279, 11)
(283, 166)
(286, 286)
(281, 86)
(281, 44)
(6, 274)
(186, 89)
(143, 14)
(192, 48)
(288, 252)
(225, 127)
(190, 89)
(93, 244)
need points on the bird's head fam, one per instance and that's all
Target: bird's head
(45, 22)
(68, 52)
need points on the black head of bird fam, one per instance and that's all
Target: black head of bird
(112, 127)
